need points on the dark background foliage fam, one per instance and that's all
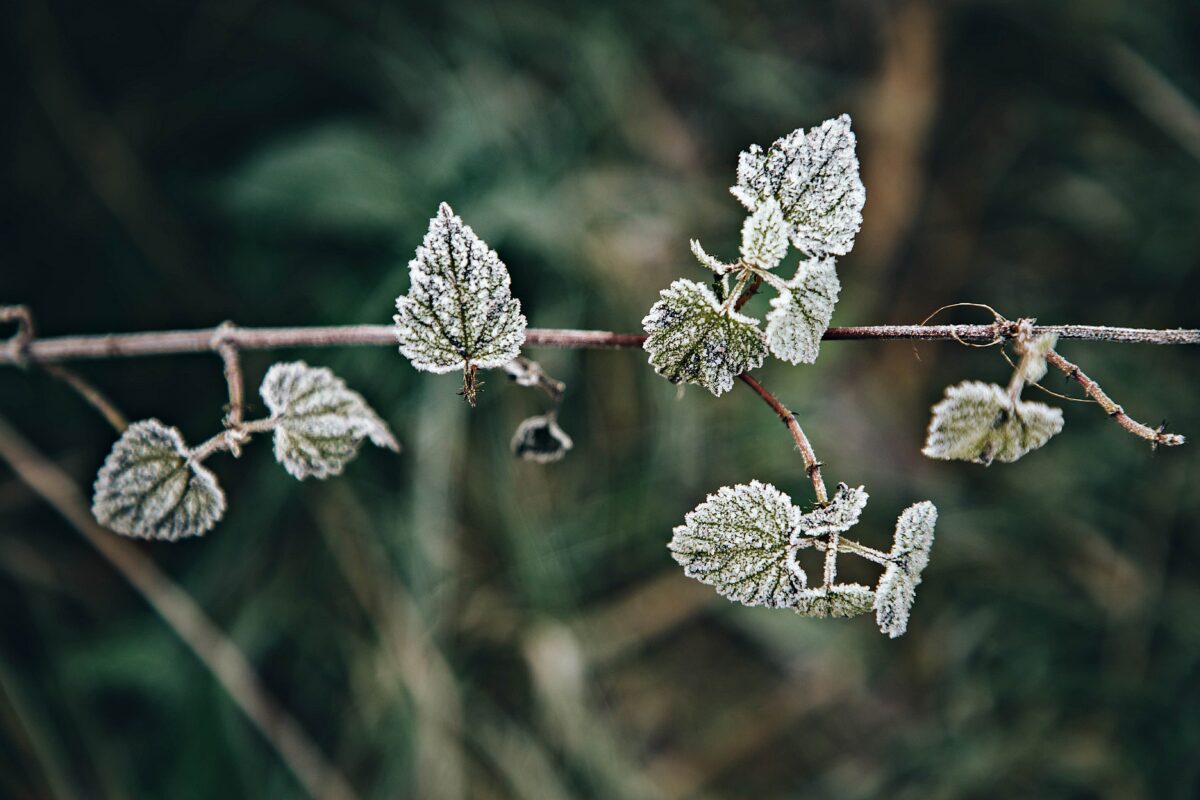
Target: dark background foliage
(452, 623)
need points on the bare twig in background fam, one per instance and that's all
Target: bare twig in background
(1157, 97)
(216, 651)
(95, 398)
(1155, 435)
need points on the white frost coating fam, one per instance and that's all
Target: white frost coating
(842, 600)
(319, 422)
(737, 541)
(815, 178)
(979, 422)
(539, 439)
(711, 262)
(693, 340)
(1033, 362)
(842, 513)
(459, 310)
(148, 489)
(908, 558)
(800, 314)
(765, 236)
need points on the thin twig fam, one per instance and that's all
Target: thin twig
(97, 399)
(228, 350)
(1155, 435)
(750, 291)
(811, 466)
(227, 663)
(122, 345)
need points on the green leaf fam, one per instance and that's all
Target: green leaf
(897, 587)
(765, 236)
(693, 340)
(978, 422)
(840, 600)
(319, 423)
(459, 312)
(815, 179)
(738, 542)
(149, 488)
(800, 314)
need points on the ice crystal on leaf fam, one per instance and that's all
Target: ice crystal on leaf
(694, 340)
(979, 422)
(149, 488)
(908, 558)
(738, 542)
(319, 422)
(800, 314)
(841, 600)
(539, 439)
(1033, 361)
(814, 177)
(459, 312)
(765, 236)
(711, 262)
(842, 513)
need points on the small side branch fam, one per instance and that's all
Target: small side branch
(1156, 436)
(812, 467)
(94, 397)
(223, 343)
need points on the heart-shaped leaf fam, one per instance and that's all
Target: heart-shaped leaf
(150, 489)
(319, 422)
(693, 339)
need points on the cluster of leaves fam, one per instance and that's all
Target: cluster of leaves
(983, 422)
(153, 486)
(744, 540)
(804, 192)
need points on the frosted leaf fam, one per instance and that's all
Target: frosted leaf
(800, 314)
(148, 488)
(319, 423)
(459, 312)
(765, 236)
(842, 513)
(839, 600)
(908, 558)
(737, 542)
(978, 422)
(693, 340)
(540, 439)
(814, 177)
(1033, 361)
(711, 262)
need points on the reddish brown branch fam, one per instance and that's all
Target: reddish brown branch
(812, 467)
(1155, 435)
(122, 345)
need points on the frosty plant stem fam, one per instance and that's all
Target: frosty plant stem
(812, 467)
(803, 197)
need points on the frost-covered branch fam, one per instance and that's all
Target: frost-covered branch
(812, 467)
(54, 349)
(1156, 436)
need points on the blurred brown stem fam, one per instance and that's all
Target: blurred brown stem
(227, 663)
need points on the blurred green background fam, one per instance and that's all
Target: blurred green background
(453, 623)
